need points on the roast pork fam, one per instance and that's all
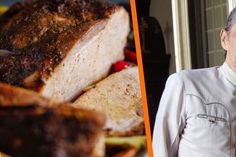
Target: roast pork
(33, 126)
(59, 47)
(119, 98)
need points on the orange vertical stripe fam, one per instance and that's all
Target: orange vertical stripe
(141, 77)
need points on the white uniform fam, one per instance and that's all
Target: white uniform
(197, 114)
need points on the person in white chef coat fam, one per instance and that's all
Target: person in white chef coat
(197, 112)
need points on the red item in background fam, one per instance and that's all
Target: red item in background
(120, 65)
(130, 56)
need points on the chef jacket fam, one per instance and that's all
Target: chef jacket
(197, 114)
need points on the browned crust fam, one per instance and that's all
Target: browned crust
(11, 12)
(11, 96)
(14, 96)
(31, 125)
(42, 33)
(47, 131)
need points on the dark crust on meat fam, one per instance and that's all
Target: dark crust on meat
(41, 34)
(10, 96)
(50, 132)
(12, 11)
(35, 129)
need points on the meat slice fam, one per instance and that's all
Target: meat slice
(118, 97)
(31, 127)
(59, 47)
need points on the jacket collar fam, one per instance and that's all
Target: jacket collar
(228, 73)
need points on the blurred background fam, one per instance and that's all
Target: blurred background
(7, 2)
(177, 35)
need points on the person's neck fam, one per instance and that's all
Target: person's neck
(231, 64)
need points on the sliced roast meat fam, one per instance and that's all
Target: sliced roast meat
(35, 126)
(59, 47)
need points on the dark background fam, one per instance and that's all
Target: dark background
(7, 2)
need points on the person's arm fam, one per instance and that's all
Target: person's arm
(170, 119)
